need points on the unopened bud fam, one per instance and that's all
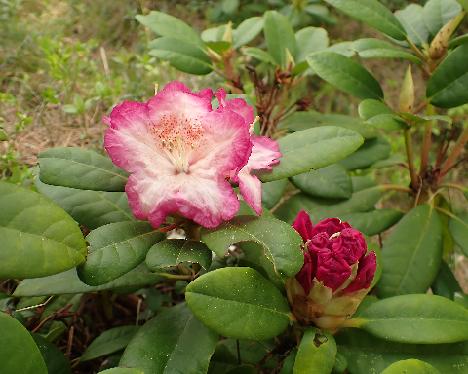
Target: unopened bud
(440, 43)
(407, 93)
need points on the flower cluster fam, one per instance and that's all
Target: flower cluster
(336, 275)
(183, 155)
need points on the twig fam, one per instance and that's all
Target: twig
(456, 151)
(409, 154)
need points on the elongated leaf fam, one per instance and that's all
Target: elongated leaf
(345, 74)
(459, 229)
(438, 12)
(18, 352)
(447, 85)
(115, 249)
(411, 366)
(373, 150)
(370, 108)
(318, 209)
(172, 342)
(369, 355)
(80, 168)
(373, 222)
(110, 341)
(272, 192)
(165, 25)
(279, 37)
(300, 121)
(171, 252)
(412, 19)
(370, 48)
(331, 182)
(69, 283)
(279, 241)
(247, 30)
(414, 244)
(238, 303)
(445, 283)
(184, 56)
(416, 319)
(373, 13)
(312, 149)
(316, 353)
(89, 208)
(310, 39)
(260, 55)
(38, 237)
(54, 359)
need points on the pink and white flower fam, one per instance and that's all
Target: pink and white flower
(180, 154)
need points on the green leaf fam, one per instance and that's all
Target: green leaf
(171, 252)
(247, 30)
(80, 168)
(445, 283)
(316, 353)
(312, 149)
(69, 283)
(172, 342)
(387, 122)
(412, 366)
(331, 182)
(447, 86)
(414, 244)
(165, 25)
(412, 19)
(18, 352)
(415, 319)
(279, 37)
(373, 222)
(370, 48)
(115, 249)
(89, 208)
(279, 241)
(54, 359)
(373, 13)
(184, 56)
(318, 209)
(345, 74)
(273, 191)
(260, 55)
(38, 237)
(455, 42)
(370, 108)
(110, 341)
(368, 355)
(300, 121)
(373, 150)
(122, 371)
(238, 303)
(308, 40)
(459, 229)
(438, 12)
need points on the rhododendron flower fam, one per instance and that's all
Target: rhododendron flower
(181, 153)
(336, 275)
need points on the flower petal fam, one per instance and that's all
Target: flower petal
(365, 274)
(237, 105)
(303, 225)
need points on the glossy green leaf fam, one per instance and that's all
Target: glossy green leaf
(247, 30)
(172, 342)
(238, 303)
(412, 19)
(18, 352)
(279, 37)
(260, 55)
(373, 222)
(445, 283)
(89, 208)
(345, 74)
(369, 108)
(272, 192)
(69, 283)
(166, 25)
(373, 150)
(369, 355)
(279, 241)
(316, 353)
(412, 366)
(459, 229)
(362, 182)
(318, 208)
(80, 168)
(300, 121)
(387, 122)
(54, 359)
(438, 12)
(38, 237)
(171, 252)
(459, 40)
(184, 56)
(312, 149)
(309, 40)
(115, 249)
(415, 319)
(414, 244)
(376, 48)
(373, 13)
(110, 341)
(447, 86)
(332, 182)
